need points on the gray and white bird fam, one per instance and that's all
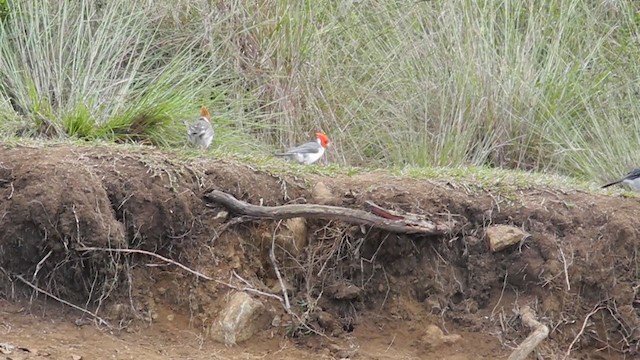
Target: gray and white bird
(632, 179)
(308, 153)
(201, 131)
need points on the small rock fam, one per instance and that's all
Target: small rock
(221, 215)
(329, 323)
(6, 348)
(434, 337)
(116, 311)
(242, 317)
(277, 320)
(76, 357)
(344, 291)
(323, 196)
(292, 237)
(342, 352)
(434, 305)
(276, 288)
(502, 236)
(298, 228)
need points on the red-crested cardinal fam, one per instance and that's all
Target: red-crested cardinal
(201, 132)
(310, 152)
(632, 179)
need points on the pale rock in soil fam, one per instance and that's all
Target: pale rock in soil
(434, 337)
(298, 228)
(343, 290)
(502, 236)
(292, 236)
(240, 319)
(322, 195)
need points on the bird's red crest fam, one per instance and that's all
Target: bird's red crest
(324, 140)
(204, 112)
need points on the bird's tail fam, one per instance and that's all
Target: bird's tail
(611, 184)
(282, 154)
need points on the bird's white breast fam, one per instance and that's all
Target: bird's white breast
(309, 158)
(633, 183)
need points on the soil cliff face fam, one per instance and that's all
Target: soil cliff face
(362, 290)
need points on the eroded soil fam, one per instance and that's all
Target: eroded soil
(361, 292)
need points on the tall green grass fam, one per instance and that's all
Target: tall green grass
(542, 85)
(81, 69)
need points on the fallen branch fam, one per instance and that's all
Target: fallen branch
(408, 224)
(540, 332)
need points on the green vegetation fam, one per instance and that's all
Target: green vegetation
(546, 85)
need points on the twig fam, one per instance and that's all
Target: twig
(249, 288)
(34, 287)
(584, 325)
(504, 285)
(12, 190)
(408, 224)
(227, 225)
(540, 332)
(386, 295)
(566, 271)
(391, 343)
(39, 266)
(272, 256)
(144, 252)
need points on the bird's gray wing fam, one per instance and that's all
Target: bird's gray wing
(633, 174)
(199, 127)
(307, 148)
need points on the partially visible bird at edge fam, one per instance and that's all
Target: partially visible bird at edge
(308, 153)
(201, 131)
(632, 179)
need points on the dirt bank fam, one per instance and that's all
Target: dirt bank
(360, 292)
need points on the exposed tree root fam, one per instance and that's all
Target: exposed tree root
(540, 332)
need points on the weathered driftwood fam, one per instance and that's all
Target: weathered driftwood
(408, 224)
(539, 333)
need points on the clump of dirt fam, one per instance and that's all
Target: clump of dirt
(65, 209)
